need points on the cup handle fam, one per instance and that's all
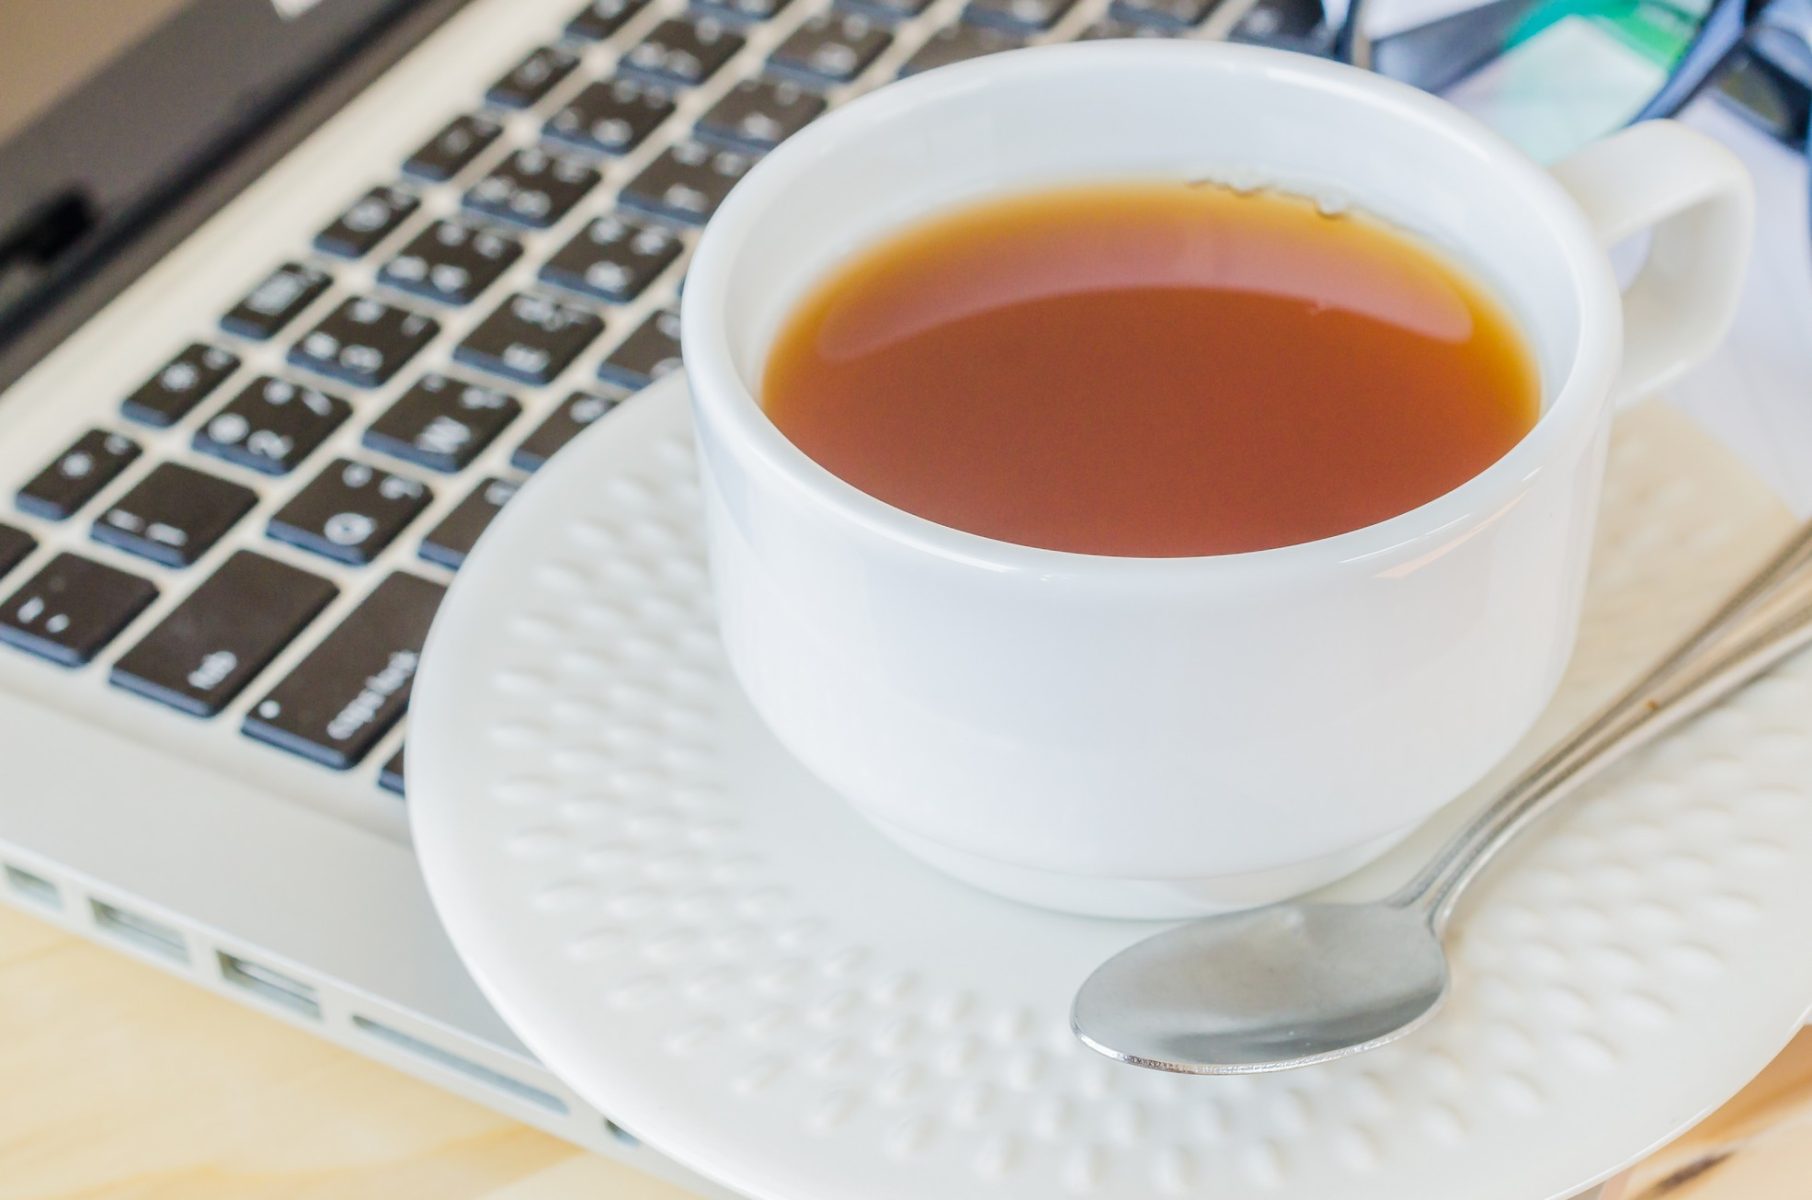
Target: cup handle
(1699, 200)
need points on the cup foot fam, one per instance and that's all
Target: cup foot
(1139, 899)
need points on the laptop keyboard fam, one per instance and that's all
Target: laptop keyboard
(358, 318)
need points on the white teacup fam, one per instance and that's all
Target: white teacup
(1162, 737)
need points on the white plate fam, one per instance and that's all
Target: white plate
(712, 949)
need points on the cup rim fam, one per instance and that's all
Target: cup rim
(725, 402)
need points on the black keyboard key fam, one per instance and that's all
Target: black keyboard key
(371, 219)
(455, 536)
(364, 341)
(1018, 16)
(276, 302)
(529, 338)
(612, 116)
(650, 352)
(352, 689)
(686, 183)
(230, 628)
(452, 150)
(601, 18)
(1173, 14)
(1290, 24)
(532, 187)
(442, 423)
(742, 10)
(174, 515)
(958, 43)
(759, 114)
(77, 475)
(450, 262)
(350, 512)
(833, 48)
(72, 608)
(575, 413)
(390, 775)
(168, 396)
(612, 259)
(272, 425)
(15, 544)
(683, 53)
(530, 80)
(1109, 28)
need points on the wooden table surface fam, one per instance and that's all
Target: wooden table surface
(118, 1082)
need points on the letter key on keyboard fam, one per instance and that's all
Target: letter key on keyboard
(1018, 16)
(174, 515)
(168, 396)
(831, 48)
(645, 355)
(455, 536)
(759, 114)
(1171, 14)
(442, 423)
(450, 262)
(272, 425)
(350, 512)
(371, 219)
(363, 341)
(532, 187)
(77, 475)
(683, 53)
(276, 302)
(575, 413)
(686, 183)
(601, 18)
(958, 43)
(529, 338)
(612, 259)
(533, 78)
(742, 10)
(612, 116)
(352, 688)
(451, 150)
(71, 608)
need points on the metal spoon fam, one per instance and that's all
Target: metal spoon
(1298, 983)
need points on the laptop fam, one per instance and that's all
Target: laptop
(294, 296)
(236, 490)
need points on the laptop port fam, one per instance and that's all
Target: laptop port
(34, 888)
(448, 1060)
(153, 937)
(274, 987)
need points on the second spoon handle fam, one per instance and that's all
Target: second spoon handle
(1710, 663)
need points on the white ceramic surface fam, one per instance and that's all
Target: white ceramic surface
(1164, 736)
(715, 951)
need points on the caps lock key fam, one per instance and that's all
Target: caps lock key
(352, 688)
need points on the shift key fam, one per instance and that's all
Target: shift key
(352, 688)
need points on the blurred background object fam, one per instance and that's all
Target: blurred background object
(124, 122)
(1553, 75)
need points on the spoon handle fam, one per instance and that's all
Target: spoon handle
(1708, 665)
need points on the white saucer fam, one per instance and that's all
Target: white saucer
(713, 950)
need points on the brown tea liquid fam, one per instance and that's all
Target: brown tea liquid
(1151, 369)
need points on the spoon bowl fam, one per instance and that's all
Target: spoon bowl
(1265, 990)
(1295, 984)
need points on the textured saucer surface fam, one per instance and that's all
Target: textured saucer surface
(718, 954)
